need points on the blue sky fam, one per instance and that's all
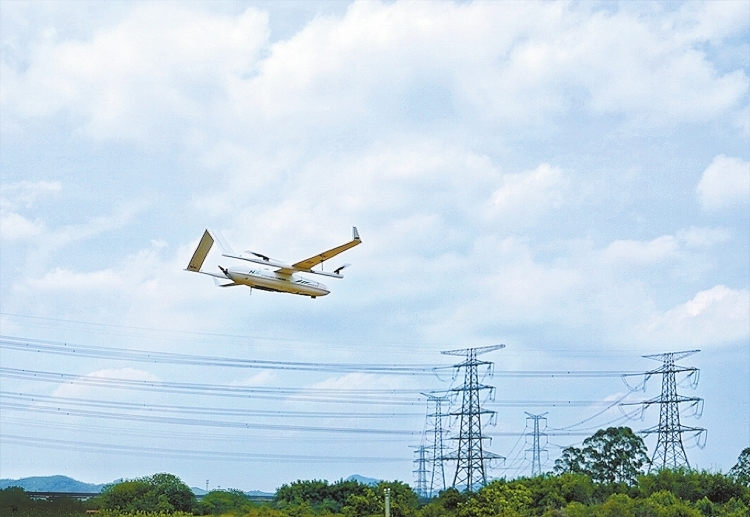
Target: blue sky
(569, 179)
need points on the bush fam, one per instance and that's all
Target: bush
(161, 493)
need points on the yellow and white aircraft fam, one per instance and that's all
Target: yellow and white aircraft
(282, 279)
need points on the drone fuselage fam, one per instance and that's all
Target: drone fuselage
(267, 280)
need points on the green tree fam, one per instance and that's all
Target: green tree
(177, 493)
(217, 502)
(126, 496)
(160, 493)
(497, 499)
(612, 455)
(318, 495)
(571, 461)
(741, 471)
(445, 503)
(404, 501)
(691, 485)
(14, 501)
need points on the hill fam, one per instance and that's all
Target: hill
(51, 484)
(364, 480)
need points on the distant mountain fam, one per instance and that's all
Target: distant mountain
(258, 493)
(51, 484)
(364, 480)
(197, 491)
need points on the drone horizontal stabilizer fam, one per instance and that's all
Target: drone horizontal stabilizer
(224, 283)
(335, 274)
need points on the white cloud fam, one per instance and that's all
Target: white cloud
(527, 194)
(25, 193)
(724, 183)
(354, 381)
(631, 252)
(61, 279)
(18, 196)
(210, 76)
(263, 378)
(695, 237)
(714, 317)
(15, 227)
(82, 388)
(164, 63)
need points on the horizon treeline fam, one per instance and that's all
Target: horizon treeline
(604, 478)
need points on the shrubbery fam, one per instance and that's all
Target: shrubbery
(582, 487)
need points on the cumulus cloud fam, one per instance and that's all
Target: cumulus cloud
(25, 193)
(160, 62)
(714, 317)
(82, 387)
(696, 237)
(15, 197)
(353, 381)
(61, 279)
(15, 227)
(510, 63)
(724, 183)
(530, 193)
(641, 253)
(259, 379)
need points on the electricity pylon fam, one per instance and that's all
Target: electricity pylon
(434, 425)
(471, 456)
(421, 471)
(670, 451)
(536, 447)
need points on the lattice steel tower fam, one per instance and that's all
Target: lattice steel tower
(670, 451)
(434, 425)
(471, 456)
(536, 447)
(421, 471)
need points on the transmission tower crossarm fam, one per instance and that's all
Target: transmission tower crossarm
(674, 356)
(663, 400)
(671, 369)
(676, 429)
(472, 387)
(476, 351)
(473, 412)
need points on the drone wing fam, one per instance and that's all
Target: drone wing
(309, 263)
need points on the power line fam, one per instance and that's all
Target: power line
(152, 356)
(595, 350)
(135, 417)
(165, 408)
(406, 397)
(69, 445)
(333, 395)
(172, 434)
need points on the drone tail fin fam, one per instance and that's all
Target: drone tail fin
(204, 246)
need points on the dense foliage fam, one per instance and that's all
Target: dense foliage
(605, 482)
(14, 501)
(612, 455)
(161, 493)
(741, 471)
